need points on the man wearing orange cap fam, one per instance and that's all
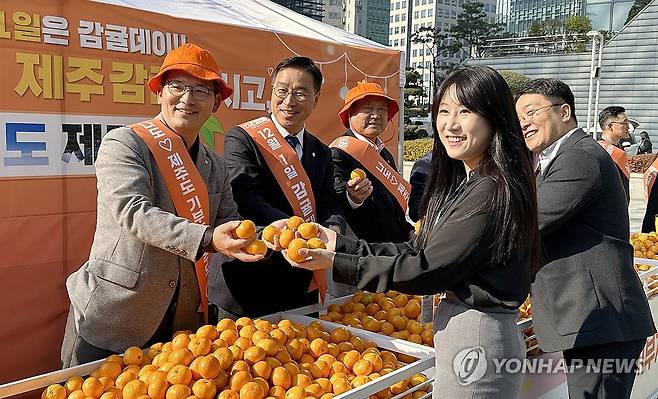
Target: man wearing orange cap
(278, 169)
(375, 206)
(164, 204)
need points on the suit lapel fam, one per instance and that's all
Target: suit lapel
(310, 158)
(575, 137)
(203, 163)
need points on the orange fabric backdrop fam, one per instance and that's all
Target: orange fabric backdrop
(49, 89)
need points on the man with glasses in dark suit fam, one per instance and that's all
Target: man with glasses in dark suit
(263, 196)
(587, 300)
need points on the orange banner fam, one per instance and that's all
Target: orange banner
(291, 177)
(72, 71)
(184, 184)
(377, 166)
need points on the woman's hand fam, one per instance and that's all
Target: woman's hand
(316, 259)
(328, 237)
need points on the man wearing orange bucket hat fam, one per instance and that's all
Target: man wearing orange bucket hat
(164, 204)
(375, 205)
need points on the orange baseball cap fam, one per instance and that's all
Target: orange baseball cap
(363, 90)
(194, 60)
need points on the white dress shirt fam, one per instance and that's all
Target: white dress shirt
(546, 156)
(285, 133)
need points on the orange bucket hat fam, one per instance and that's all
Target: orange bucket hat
(194, 60)
(363, 90)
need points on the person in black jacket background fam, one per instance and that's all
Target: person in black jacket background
(418, 178)
(370, 209)
(478, 242)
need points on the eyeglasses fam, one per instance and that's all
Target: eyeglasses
(624, 123)
(199, 92)
(533, 112)
(298, 95)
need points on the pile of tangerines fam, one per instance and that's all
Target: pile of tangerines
(243, 359)
(392, 313)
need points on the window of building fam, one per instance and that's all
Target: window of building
(453, 14)
(423, 13)
(415, 27)
(599, 14)
(430, 12)
(397, 30)
(391, 17)
(396, 42)
(403, 29)
(390, 31)
(397, 17)
(620, 13)
(440, 12)
(404, 4)
(416, 14)
(415, 53)
(423, 2)
(427, 51)
(402, 42)
(416, 2)
(390, 42)
(404, 17)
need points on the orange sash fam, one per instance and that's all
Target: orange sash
(291, 177)
(377, 166)
(618, 156)
(184, 184)
(649, 178)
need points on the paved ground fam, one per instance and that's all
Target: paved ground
(635, 210)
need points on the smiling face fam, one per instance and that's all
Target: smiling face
(464, 134)
(185, 114)
(543, 120)
(290, 112)
(369, 116)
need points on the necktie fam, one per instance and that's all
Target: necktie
(294, 142)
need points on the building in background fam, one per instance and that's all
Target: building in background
(629, 76)
(310, 8)
(368, 18)
(407, 16)
(519, 15)
(334, 13)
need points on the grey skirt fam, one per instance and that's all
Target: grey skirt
(466, 342)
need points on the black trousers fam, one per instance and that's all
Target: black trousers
(592, 380)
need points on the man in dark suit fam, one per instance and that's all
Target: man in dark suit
(237, 288)
(372, 211)
(587, 299)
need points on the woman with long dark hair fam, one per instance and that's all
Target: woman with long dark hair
(478, 241)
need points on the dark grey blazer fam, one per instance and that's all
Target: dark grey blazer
(587, 292)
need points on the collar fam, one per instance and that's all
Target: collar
(285, 133)
(618, 144)
(378, 144)
(549, 153)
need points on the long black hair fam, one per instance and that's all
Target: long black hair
(507, 159)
